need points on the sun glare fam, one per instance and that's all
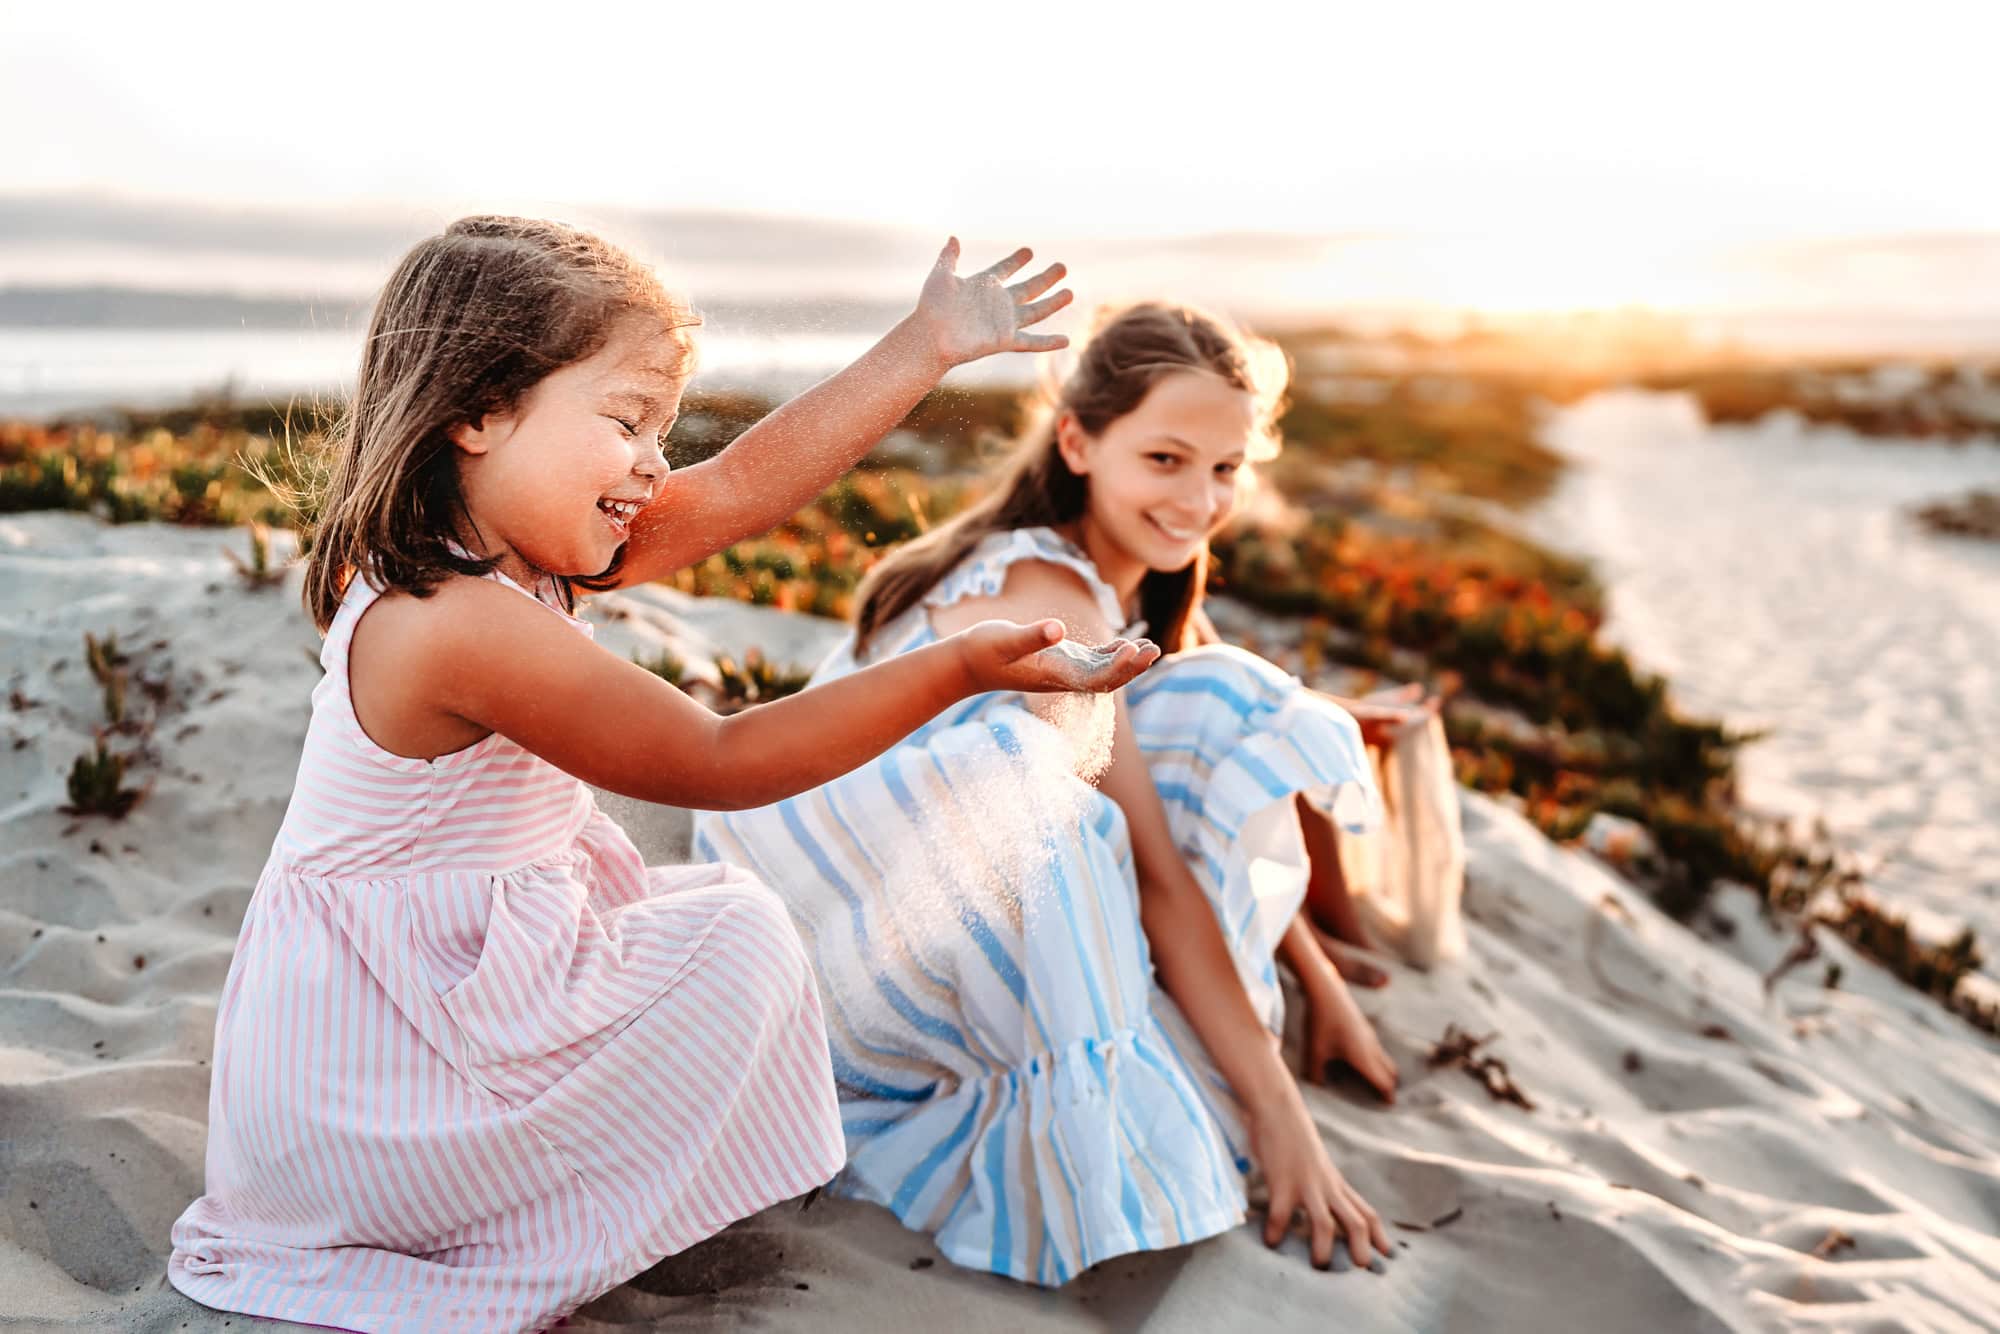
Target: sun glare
(1544, 273)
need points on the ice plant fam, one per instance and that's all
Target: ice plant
(257, 572)
(97, 785)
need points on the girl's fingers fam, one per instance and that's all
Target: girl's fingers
(1023, 639)
(1027, 342)
(1278, 1218)
(1380, 1072)
(1126, 663)
(1359, 1243)
(1037, 311)
(1372, 1228)
(1377, 1231)
(947, 259)
(1033, 287)
(1324, 1236)
(1008, 267)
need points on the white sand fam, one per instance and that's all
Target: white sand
(1665, 1179)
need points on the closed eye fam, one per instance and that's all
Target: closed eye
(632, 428)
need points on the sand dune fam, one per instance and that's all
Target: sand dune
(1698, 1155)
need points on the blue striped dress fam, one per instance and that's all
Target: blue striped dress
(1012, 1078)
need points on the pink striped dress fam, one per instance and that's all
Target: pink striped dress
(475, 1062)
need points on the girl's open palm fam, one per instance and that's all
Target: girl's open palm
(979, 314)
(1006, 655)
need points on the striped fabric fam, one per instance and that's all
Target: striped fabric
(1011, 1077)
(475, 1062)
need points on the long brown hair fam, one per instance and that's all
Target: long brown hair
(1128, 352)
(468, 323)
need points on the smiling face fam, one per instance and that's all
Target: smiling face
(543, 483)
(1163, 477)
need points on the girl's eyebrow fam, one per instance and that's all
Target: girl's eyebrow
(644, 399)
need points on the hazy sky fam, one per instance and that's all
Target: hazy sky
(1512, 155)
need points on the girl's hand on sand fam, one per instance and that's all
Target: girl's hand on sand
(1305, 1184)
(1336, 1030)
(1006, 655)
(977, 315)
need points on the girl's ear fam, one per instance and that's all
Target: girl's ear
(475, 436)
(1070, 441)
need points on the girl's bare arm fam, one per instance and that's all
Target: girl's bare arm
(773, 469)
(498, 661)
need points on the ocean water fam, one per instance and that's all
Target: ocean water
(48, 371)
(1772, 573)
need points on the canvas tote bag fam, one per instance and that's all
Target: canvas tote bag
(1407, 878)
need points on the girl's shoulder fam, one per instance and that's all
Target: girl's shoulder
(424, 673)
(984, 570)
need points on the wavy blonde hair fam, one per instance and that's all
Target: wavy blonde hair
(1128, 352)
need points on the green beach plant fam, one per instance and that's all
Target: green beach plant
(257, 572)
(756, 681)
(667, 666)
(97, 785)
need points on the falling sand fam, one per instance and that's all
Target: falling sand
(994, 811)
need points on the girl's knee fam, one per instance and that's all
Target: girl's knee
(1224, 661)
(754, 923)
(1247, 684)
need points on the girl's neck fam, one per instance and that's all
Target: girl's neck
(1115, 565)
(512, 565)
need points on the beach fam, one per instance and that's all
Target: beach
(1775, 573)
(1694, 1153)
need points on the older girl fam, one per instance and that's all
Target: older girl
(1053, 1008)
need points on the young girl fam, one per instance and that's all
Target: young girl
(1012, 1078)
(475, 1062)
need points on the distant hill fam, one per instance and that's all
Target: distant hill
(111, 307)
(107, 306)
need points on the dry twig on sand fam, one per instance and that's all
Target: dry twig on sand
(1460, 1049)
(1804, 950)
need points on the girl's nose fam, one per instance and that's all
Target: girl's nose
(1199, 505)
(651, 463)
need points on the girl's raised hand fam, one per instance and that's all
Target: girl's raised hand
(1005, 655)
(977, 315)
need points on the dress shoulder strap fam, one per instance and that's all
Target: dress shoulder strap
(354, 599)
(983, 572)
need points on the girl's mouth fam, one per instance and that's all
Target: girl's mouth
(1173, 535)
(618, 514)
